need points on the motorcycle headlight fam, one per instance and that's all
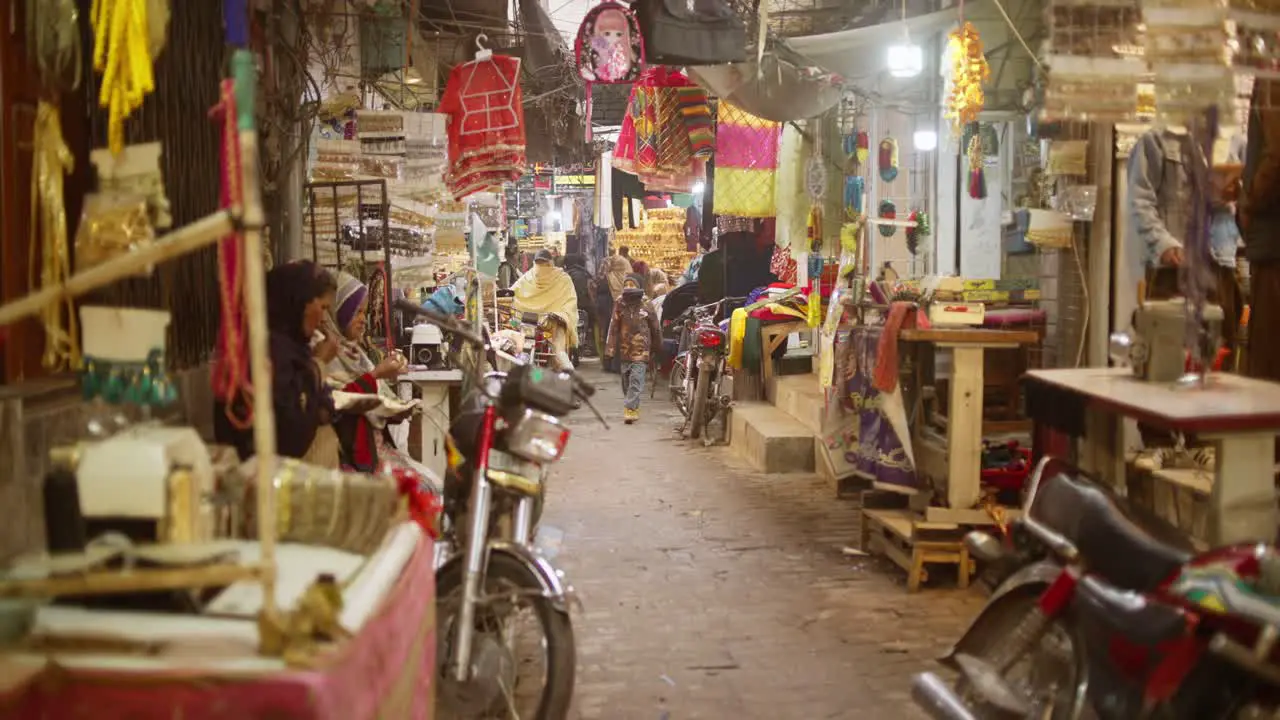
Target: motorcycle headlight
(537, 437)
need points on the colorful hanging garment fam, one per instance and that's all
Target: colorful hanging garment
(783, 265)
(486, 124)
(746, 163)
(666, 134)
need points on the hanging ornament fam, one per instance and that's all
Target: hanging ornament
(51, 161)
(854, 187)
(920, 231)
(849, 236)
(888, 211)
(815, 179)
(814, 229)
(122, 52)
(862, 149)
(888, 160)
(977, 178)
(969, 69)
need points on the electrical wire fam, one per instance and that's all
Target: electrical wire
(1017, 35)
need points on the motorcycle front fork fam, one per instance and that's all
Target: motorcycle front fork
(473, 573)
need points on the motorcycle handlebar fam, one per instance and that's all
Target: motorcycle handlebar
(441, 321)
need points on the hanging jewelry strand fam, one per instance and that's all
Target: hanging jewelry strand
(122, 53)
(52, 160)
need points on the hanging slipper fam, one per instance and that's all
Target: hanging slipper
(888, 160)
(977, 178)
(888, 211)
(862, 149)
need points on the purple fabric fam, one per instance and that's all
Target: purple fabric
(878, 453)
(347, 310)
(746, 148)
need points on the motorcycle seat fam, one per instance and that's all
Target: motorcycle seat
(1111, 544)
(1138, 619)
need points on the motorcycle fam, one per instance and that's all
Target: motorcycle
(507, 435)
(539, 333)
(1113, 622)
(701, 382)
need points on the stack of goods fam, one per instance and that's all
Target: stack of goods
(746, 163)
(667, 134)
(1186, 45)
(659, 241)
(426, 157)
(486, 124)
(1095, 61)
(336, 160)
(382, 145)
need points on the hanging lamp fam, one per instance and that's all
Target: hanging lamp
(906, 59)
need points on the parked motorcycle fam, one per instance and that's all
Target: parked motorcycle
(1114, 623)
(701, 382)
(493, 584)
(539, 333)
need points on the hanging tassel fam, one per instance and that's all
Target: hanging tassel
(888, 160)
(977, 178)
(863, 145)
(854, 186)
(231, 383)
(814, 228)
(888, 211)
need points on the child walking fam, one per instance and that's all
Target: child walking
(633, 338)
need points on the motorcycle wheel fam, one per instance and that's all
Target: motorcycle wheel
(1045, 675)
(488, 694)
(698, 411)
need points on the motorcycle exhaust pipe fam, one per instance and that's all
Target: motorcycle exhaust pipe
(937, 699)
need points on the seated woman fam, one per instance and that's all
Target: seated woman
(366, 441)
(298, 298)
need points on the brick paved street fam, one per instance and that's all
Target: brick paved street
(713, 592)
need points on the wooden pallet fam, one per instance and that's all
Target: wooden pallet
(912, 543)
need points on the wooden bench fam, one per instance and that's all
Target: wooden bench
(911, 543)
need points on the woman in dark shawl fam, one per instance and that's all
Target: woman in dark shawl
(298, 298)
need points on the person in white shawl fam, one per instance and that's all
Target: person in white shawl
(548, 290)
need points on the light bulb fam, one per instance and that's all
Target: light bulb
(925, 140)
(906, 59)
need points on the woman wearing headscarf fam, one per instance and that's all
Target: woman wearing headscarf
(298, 298)
(366, 441)
(614, 271)
(658, 285)
(548, 290)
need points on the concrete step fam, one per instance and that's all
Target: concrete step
(800, 397)
(770, 440)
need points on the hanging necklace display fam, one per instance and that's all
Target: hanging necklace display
(888, 159)
(124, 356)
(231, 383)
(51, 161)
(1188, 44)
(124, 35)
(977, 177)
(1094, 61)
(887, 211)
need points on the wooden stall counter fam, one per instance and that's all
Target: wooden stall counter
(1239, 416)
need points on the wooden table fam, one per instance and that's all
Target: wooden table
(771, 338)
(964, 414)
(433, 388)
(1240, 416)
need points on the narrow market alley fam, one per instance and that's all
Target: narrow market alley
(710, 591)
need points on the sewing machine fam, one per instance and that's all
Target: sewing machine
(426, 347)
(1155, 347)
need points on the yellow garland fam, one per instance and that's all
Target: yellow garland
(969, 70)
(51, 161)
(122, 53)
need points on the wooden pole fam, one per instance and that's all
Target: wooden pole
(202, 232)
(255, 299)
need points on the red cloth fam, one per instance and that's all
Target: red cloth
(486, 125)
(354, 683)
(885, 378)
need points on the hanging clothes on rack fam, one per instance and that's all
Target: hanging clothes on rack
(666, 136)
(486, 123)
(746, 163)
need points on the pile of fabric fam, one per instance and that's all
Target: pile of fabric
(486, 125)
(667, 134)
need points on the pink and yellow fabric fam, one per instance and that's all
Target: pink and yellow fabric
(746, 163)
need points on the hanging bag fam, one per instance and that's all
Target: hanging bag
(609, 49)
(691, 32)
